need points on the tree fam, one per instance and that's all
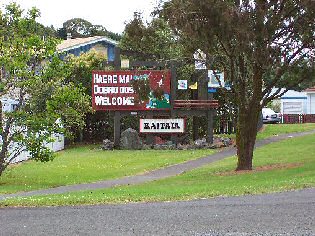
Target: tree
(79, 68)
(155, 39)
(80, 28)
(259, 44)
(79, 72)
(33, 74)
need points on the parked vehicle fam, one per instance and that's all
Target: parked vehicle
(269, 116)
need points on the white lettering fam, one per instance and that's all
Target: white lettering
(102, 101)
(105, 90)
(126, 90)
(114, 101)
(125, 79)
(105, 79)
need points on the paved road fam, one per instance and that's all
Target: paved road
(290, 213)
(153, 175)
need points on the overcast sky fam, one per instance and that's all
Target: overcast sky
(112, 14)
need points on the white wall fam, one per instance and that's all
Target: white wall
(293, 106)
(59, 143)
(311, 103)
(294, 102)
(55, 146)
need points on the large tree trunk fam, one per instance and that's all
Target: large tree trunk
(2, 166)
(1, 148)
(246, 135)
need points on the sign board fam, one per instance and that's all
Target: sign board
(214, 78)
(162, 126)
(124, 63)
(212, 90)
(182, 85)
(112, 91)
(200, 60)
(200, 65)
(200, 55)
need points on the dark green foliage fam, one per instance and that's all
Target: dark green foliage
(80, 28)
(79, 69)
(155, 40)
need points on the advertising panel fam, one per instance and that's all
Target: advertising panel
(113, 90)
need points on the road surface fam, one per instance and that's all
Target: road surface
(289, 213)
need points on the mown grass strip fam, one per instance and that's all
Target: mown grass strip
(89, 164)
(282, 166)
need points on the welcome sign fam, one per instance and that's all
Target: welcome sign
(111, 90)
(162, 125)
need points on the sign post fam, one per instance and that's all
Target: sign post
(117, 116)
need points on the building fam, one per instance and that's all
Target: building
(294, 102)
(77, 46)
(8, 105)
(310, 93)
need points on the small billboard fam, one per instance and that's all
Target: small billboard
(216, 79)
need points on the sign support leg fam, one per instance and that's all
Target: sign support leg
(210, 115)
(174, 137)
(150, 137)
(210, 126)
(117, 128)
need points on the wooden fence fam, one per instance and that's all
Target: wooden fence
(297, 118)
(224, 126)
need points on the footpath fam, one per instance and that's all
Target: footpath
(152, 175)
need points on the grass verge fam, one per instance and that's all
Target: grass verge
(281, 166)
(270, 130)
(89, 164)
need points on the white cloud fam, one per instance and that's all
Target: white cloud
(112, 14)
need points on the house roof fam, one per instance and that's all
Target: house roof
(69, 44)
(310, 90)
(291, 94)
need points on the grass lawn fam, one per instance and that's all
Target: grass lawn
(277, 129)
(281, 166)
(270, 130)
(89, 164)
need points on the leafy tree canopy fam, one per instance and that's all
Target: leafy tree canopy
(154, 40)
(33, 75)
(80, 28)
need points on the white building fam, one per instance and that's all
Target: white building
(310, 93)
(8, 105)
(293, 102)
